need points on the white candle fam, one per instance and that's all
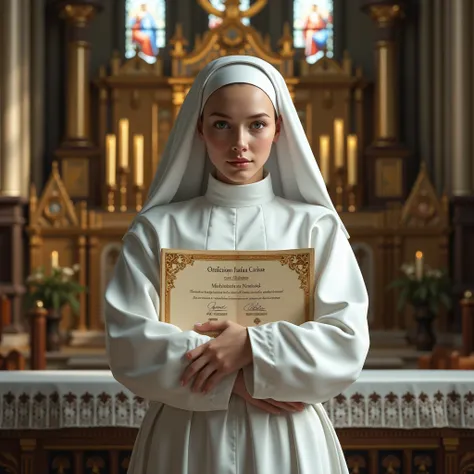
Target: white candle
(138, 152)
(111, 159)
(324, 157)
(352, 160)
(123, 134)
(54, 259)
(339, 143)
(419, 265)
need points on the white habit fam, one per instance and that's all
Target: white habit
(218, 433)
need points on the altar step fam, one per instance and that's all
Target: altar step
(389, 351)
(95, 359)
(378, 359)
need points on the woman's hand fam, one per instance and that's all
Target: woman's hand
(269, 405)
(227, 353)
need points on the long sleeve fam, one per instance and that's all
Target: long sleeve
(146, 355)
(316, 361)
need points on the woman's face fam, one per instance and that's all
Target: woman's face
(238, 126)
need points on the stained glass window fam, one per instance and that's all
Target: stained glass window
(145, 28)
(219, 4)
(313, 28)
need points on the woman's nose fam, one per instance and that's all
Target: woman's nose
(240, 144)
(239, 149)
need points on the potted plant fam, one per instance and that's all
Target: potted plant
(56, 290)
(426, 290)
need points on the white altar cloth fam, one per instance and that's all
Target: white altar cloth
(397, 399)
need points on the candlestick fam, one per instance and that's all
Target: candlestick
(123, 189)
(111, 159)
(339, 143)
(138, 152)
(124, 132)
(352, 198)
(352, 160)
(5, 314)
(54, 259)
(467, 314)
(419, 265)
(138, 198)
(111, 189)
(340, 189)
(324, 157)
(38, 324)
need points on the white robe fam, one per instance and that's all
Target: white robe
(218, 433)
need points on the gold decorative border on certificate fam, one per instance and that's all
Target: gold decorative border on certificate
(299, 260)
(301, 264)
(174, 263)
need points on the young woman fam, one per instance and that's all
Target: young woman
(237, 174)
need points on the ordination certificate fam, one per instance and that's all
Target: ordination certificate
(248, 287)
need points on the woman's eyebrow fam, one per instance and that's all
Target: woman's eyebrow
(219, 114)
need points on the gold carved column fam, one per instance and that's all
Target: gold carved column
(386, 119)
(438, 48)
(77, 153)
(178, 52)
(15, 145)
(37, 104)
(460, 144)
(386, 157)
(461, 87)
(11, 150)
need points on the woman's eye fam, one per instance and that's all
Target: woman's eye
(221, 125)
(258, 125)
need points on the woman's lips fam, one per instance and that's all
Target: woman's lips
(240, 162)
(240, 159)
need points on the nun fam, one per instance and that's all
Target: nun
(237, 173)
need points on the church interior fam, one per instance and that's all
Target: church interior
(89, 93)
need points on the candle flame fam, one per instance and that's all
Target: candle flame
(419, 255)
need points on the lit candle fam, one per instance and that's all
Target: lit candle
(138, 152)
(124, 132)
(111, 159)
(339, 143)
(54, 259)
(324, 157)
(352, 160)
(419, 265)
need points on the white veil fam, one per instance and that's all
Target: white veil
(184, 168)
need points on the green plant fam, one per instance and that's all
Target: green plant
(432, 288)
(55, 290)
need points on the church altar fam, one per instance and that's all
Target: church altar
(389, 422)
(397, 399)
